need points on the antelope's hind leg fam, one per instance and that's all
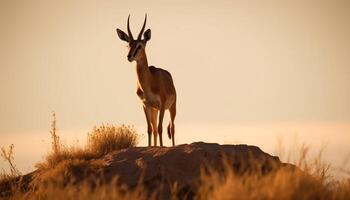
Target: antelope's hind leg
(160, 125)
(148, 114)
(171, 126)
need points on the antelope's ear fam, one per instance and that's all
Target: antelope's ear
(123, 36)
(147, 35)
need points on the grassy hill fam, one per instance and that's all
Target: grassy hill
(110, 166)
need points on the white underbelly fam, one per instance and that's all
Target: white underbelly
(154, 101)
(150, 99)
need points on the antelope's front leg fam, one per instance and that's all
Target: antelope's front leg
(154, 115)
(149, 127)
(160, 125)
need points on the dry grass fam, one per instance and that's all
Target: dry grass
(8, 180)
(55, 144)
(281, 184)
(68, 165)
(107, 138)
(312, 179)
(84, 191)
(8, 156)
(101, 141)
(54, 181)
(68, 172)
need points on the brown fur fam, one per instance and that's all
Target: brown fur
(157, 82)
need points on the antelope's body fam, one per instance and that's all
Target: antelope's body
(155, 87)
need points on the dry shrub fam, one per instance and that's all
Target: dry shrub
(101, 141)
(108, 138)
(71, 164)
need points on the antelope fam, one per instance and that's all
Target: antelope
(155, 86)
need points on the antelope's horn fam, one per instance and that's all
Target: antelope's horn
(129, 32)
(143, 28)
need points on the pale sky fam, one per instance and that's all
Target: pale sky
(233, 63)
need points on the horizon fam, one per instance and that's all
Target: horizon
(253, 72)
(283, 139)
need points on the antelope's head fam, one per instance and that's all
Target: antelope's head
(136, 47)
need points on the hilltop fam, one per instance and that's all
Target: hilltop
(182, 164)
(158, 169)
(111, 166)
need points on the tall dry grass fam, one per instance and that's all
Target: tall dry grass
(65, 166)
(8, 180)
(313, 179)
(7, 154)
(55, 144)
(310, 181)
(100, 141)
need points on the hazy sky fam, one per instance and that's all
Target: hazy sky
(233, 62)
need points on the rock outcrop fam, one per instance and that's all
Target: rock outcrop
(155, 167)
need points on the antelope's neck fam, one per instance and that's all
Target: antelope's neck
(143, 73)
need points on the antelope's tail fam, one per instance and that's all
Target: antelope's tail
(169, 130)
